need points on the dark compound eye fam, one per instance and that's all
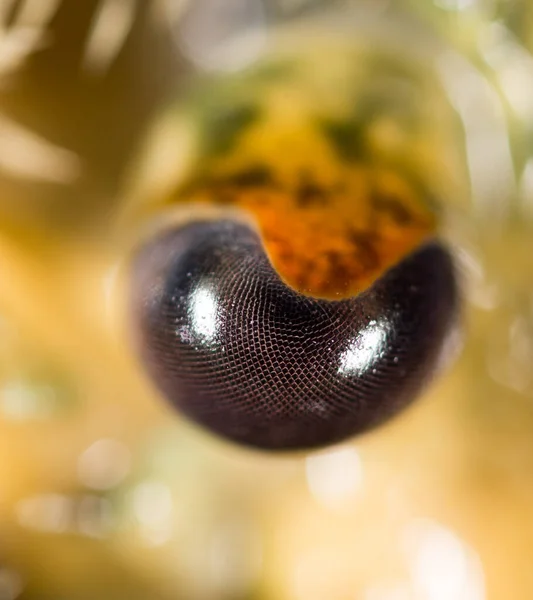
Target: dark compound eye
(240, 352)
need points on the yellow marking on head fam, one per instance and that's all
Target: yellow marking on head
(338, 157)
(330, 228)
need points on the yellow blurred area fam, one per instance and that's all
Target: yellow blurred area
(104, 491)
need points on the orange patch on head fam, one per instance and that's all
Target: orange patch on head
(328, 240)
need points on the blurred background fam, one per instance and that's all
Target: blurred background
(104, 491)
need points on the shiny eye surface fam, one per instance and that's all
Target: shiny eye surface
(240, 352)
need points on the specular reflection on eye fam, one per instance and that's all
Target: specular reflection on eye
(363, 350)
(204, 315)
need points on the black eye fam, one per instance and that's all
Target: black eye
(238, 351)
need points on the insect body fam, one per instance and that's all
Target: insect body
(305, 296)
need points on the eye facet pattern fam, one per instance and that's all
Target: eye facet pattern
(236, 350)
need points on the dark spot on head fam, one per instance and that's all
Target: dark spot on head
(310, 193)
(225, 197)
(224, 124)
(253, 176)
(347, 138)
(223, 188)
(339, 273)
(388, 203)
(364, 245)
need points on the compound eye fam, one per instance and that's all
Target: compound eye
(238, 351)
